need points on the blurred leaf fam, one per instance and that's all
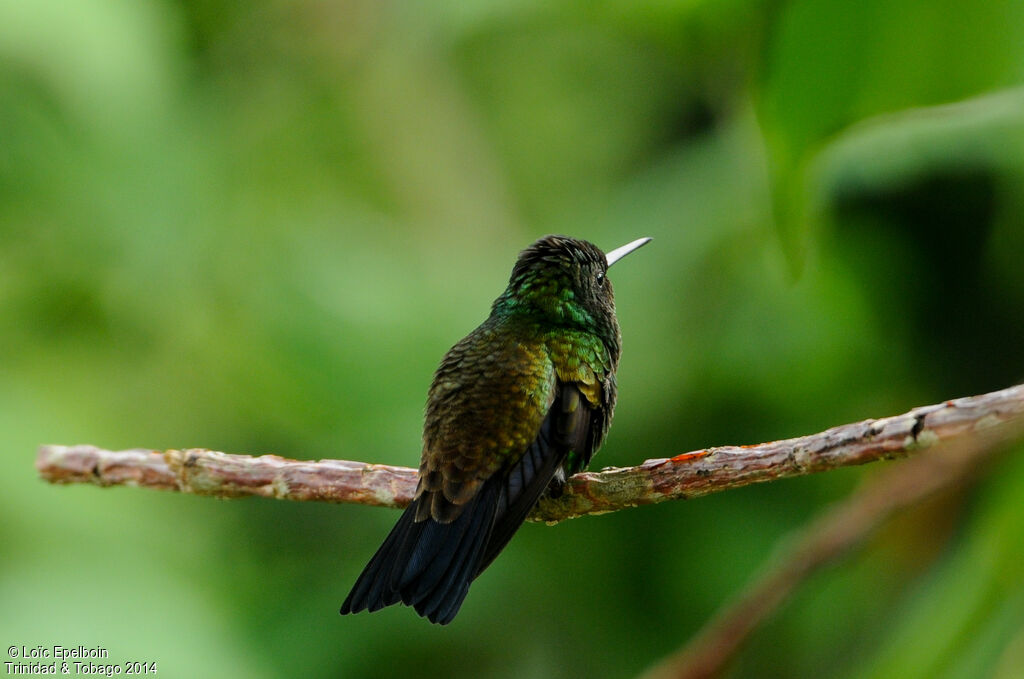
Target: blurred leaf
(831, 64)
(889, 150)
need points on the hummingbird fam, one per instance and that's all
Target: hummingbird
(515, 408)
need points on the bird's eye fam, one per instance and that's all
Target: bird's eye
(600, 276)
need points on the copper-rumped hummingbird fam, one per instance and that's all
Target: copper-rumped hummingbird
(515, 408)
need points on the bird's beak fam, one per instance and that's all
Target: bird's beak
(618, 253)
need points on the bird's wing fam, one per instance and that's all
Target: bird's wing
(511, 412)
(573, 429)
(584, 361)
(566, 428)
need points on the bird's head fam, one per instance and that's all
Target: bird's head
(565, 282)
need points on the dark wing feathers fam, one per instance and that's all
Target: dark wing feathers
(566, 425)
(599, 419)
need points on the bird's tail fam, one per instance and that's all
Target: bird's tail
(427, 565)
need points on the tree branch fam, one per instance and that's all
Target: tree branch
(205, 472)
(831, 535)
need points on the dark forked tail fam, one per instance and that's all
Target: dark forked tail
(427, 565)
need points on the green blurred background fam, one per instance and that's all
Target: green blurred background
(257, 226)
